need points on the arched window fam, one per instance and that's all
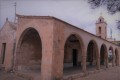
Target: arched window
(100, 20)
(99, 30)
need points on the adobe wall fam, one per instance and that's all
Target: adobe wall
(44, 27)
(7, 35)
(61, 34)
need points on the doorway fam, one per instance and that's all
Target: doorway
(75, 57)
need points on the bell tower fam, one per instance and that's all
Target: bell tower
(101, 28)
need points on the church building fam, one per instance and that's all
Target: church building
(47, 48)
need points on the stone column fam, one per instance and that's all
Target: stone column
(58, 51)
(107, 66)
(47, 59)
(58, 60)
(84, 64)
(47, 39)
(113, 61)
(117, 60)
(98, 63)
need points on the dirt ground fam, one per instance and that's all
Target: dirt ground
(10, 76)
(109, 74)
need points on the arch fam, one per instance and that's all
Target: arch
(80, 40)
(24, 32)
(103, 55)
(111, 56)
(92, 55)
(73, 51)
(29, 50)
(116, 57)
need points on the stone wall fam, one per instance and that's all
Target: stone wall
(7, 36)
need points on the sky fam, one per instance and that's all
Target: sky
(75, 12)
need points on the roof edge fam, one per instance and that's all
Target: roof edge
(30, 16)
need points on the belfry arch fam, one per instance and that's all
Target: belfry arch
(73, 50)
(116, 58)
(92, 55)
(29, 51)
(103, 56)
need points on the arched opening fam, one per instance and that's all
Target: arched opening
(116, 58)
(103, 56)
(92, 56)
(72, 55)
(110, 57)
(29, 51)
(99, 29)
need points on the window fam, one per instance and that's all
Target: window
(3, 52)
(99, 30)
(100, 20)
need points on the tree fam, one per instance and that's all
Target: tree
(112, 6)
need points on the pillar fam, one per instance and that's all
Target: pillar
(58, 51)
(98, 63)
(106, 58)
(84, 64)
(113, 61)
(47, 61)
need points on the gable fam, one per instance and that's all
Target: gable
(7, 32)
